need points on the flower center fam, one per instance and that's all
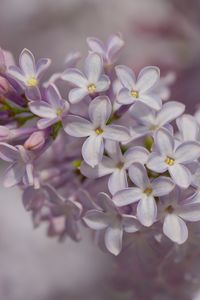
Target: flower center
(91, 88)
(32, 82)
(59, 112)
(148, 191)
(135, 94)
(169, 161)
(99, 131)
(120, 165)
(169, 209)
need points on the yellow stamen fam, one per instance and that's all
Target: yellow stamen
(120, 165)
(98, 131)
(135, 94)
(59, 112)
(148, 191)
(169, 161)
(32, 82)
(169, 209)
(91, 88)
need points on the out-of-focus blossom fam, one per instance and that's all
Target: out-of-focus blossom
(188, 128)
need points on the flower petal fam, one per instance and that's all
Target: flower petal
(138, 175)
(156, 163)
(41, 66)
(116, 133)
(45, 123)
(127, 196)
(8, 152)
(96, 45)
(188, 127)
(100, 110)
(76, 95)
(169, 112)
(130, 223)
(105, 167)
(126, 76)
(136, 154)
(75, 77)
(189, 212)
(151, 100)
(113, 239)
(13, 174)
(96, 220)
(175, 229)
(103, 83)
(162, 186)
(124, 97)
(53, 96)
(117, 181)
(143, 114)
(42, 109)
(77, 126)
(93, 67)
(92, 150)
(147, 78)
(187, 152)
(147, 211)
(17, 74)
(181, 175)
(27, 63)
(165, 142)
(115, 45)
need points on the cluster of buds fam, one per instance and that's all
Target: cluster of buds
(107, 157)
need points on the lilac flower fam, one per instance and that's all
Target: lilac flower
(144, 192)
(109, 218)
(174, 159)
(51, 111)
(163, 86)
(149, 121)
(116, 165)
(141, 89)
(189, 128)
(30, 73)
(88, 83)
(174, 211)
(21, 168)
(109, 51)
(96, 130)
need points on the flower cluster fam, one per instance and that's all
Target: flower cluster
(111, 154)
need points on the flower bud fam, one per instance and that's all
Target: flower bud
(35, 141)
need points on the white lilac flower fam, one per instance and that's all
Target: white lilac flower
(140, 89)
(51, 111)
(110, 219)
(149, 121)
(115, 165)
(110, 51)
(189, 129)
(29, 74)
(91, 82)
(20, 168)
(173, 211)
(167, 157)
(96, 129)
(144, 193)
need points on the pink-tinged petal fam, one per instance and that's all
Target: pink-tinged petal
(147, 211)
(41, 66)
(116, 133)
(151, 100)
(77, 94)
(127, 196)
(138, 175)
(147, 78)
(92, 150)
(124, 97)
(188, 127)
(96, 45)
(99, 111)
(42, 109)
(45, 123)
(157, 163)
(164, 142)
(169, 112)
(27, 63)
(181, 175)
(113, 239)
(189, 212)
(130, 224)
(143, 114)
(13, 174)
(75, 77)
(8, 152)
(93, 67)
(103, 83)
(117, 181)
(126, 76)
(115, 45)
(175, 229)
(105, 167)
(187, 152)
(162, 186)
(136, 154)
(106, 203)
(77, 126)
(96, 220)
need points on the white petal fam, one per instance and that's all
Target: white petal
(42, 109)
(96, 220)
(8, 152)
(124, 97)
(164, 142)
(151, 100)
(162, 186)
(103, 83)
(147, 78)
(126, 76)
(175, 229)
(113, 239)
(75, 77)
(41, 66)
(130, 224)
(117, 181)
(147, 211)
(17, 74)
(169, 112)
(100, 110)
(138, 175)
(143, 114)
(127, 196)
(92, 150)
(116, 133)
(77, 94)
(45, 123)
(13, 174)
(188, 127)
(105, 167)
(115, 45)
(187, 152)
(156, 163)
(27, 63)
(53, 96)
(114, 151)
(136, 154)
(181, 175)
(93, 67)
(77, 126)
(189, 212)
(96, 45)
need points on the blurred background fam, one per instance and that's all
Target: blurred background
(160, 32)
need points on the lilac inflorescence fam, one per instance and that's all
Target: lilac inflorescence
(105, 155)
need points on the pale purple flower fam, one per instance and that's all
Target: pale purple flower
(109, 51)
(189, 129)
(29, 74)
(116, 165)
(96, 129)
(90, 82)
(20, 168)
(140, 89)
(149, 121)
(110, 219)
(144, 192)
(167, 157)
(163, 86)
(51, 111)
(174, 211)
